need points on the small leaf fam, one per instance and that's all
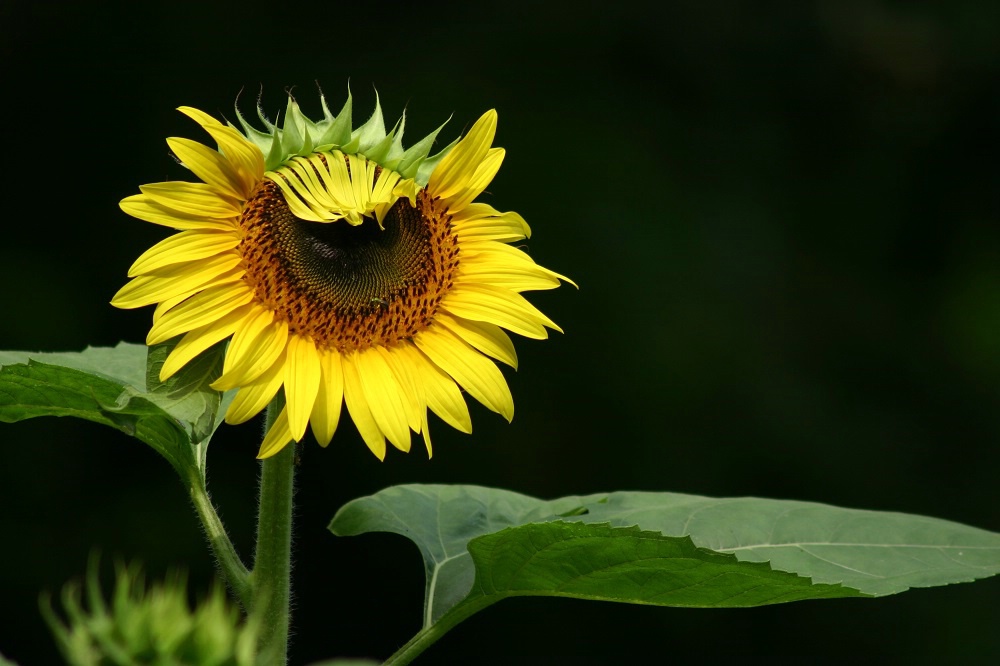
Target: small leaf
(875, 553)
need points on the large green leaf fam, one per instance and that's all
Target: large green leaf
(458, 532)
(125, 363)
(119, 387)
(597, 561)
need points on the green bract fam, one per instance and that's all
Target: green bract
(300, 136)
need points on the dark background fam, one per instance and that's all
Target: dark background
(783, 218)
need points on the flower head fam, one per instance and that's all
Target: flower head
(342, 269)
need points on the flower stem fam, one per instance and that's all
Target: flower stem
(271, 577)
(235, 572)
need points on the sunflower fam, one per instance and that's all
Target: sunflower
(342, 269)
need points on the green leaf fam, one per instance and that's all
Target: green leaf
(597, 561)
(118, 387)
(187, 395)
(125, 363)
(877, 552)
(872, 553)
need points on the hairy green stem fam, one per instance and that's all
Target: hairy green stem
(271, 577)
(235, 572)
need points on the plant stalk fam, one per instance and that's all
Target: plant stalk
(271, 577)
(235, 572)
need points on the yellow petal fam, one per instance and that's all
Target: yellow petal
(163, 307)
(482, 177)
(455, 170)
(326, 412)
(199, 310)
(291, 187)
(209, 165)
(507, 275)
(253, 397)
(487, 338)
(253, 349)
(185, 246)
(196, 341)
(382, 393)
(473, 371)
(475, 211)
(490, 253)
(357, 407)
(302, 377)
(278, 436)
(148, 210)
(172, 281)
(411, 391)
(439, 390)
(245, 156)
(481, 302)
(426, 430)
(472, 224)
(192, 199)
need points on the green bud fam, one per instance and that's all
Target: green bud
(153, 624)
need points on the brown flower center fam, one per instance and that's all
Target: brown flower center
(349, 287)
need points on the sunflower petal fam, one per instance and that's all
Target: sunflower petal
(471, 225)
(456, 169)
(473, 371)
(148, 210)
(172, 281)
(481, 302)
(441, 392)
(302, 377)
(508, 275)
(255, 396)
(246, 158)
(196, 341)
(383, 395)
(163, 307)
(192, 198)
(253, 349)
(186, 246)
(480, 179)
(199, 310)
(480, 252)
(412, 391)
(426, 431)
(326, 411)
(278, 436)
(209, 165)
(490, 339)
(357, 406)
